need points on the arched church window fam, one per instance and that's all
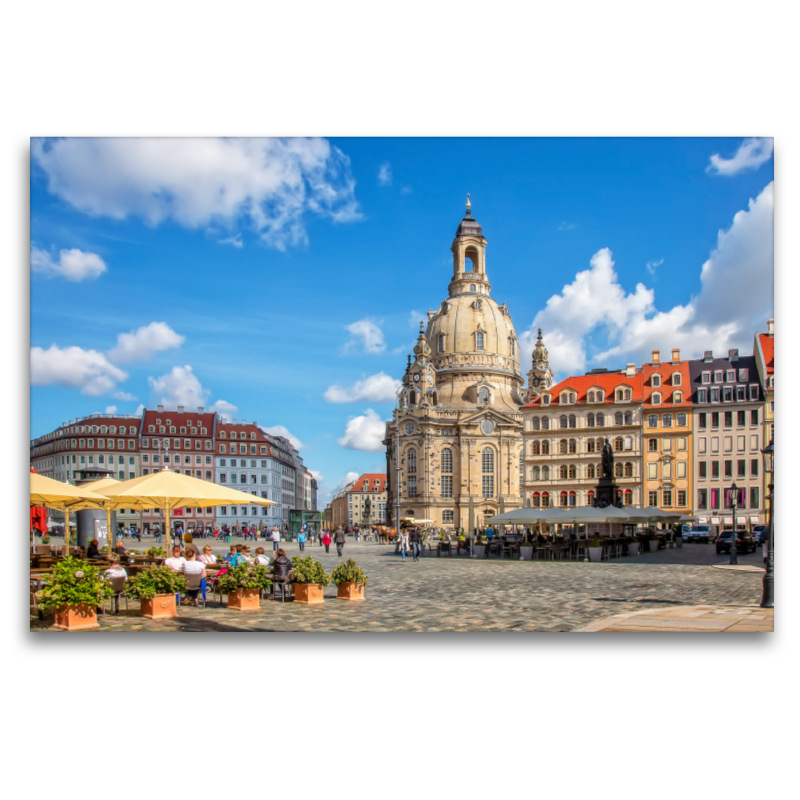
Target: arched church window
(483, 395)
(411, 457)
(479, 340)
(441, 343)
(472, 287)
(447, 460)
(487, 469)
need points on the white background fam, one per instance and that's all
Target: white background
(445, 716)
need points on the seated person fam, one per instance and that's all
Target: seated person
(119, 549)
(208, 556)
(93, 551)
(116, 576)
(191, 566)
(261, 557)
(176, 562)
(233, 553)
(281, 567)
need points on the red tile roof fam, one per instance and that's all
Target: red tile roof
(359, 485)
(768, 349)
(607, 381)
(666, 389)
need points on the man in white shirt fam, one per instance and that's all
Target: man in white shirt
(276, 539)
(193, 567)
(116, 575)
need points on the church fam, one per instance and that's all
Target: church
(455, 437)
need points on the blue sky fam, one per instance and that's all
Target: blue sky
(286, 278)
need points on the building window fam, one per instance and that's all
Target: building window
(573, 446)
(666, 421)
(411, 457)
(573, 471)
(448, 516)
(628, 469)
(590, 421)
(563, 498)
(487, 469)
(666, 498)
(676, 379)
(652, 445)
(652, 420)
(479, 340)
(545, 473)
(618, 444)
(572, 420)
(562, 446)
(655, 399)
(681, 420)
(618, 418)
(590, 471)
(629, 418)
(753, 392)
(545, 448)
(655, 380)
(617, 470)
(652, 498)
(754, 499)
(546, 423)
(600, 420)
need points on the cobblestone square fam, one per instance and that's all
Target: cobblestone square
(465, 594)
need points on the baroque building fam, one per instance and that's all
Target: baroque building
(455, 436)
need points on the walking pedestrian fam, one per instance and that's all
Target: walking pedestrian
(326, 540)
(276, 539)
(402, 542)
(416, 545)
(339, 539)
(301, 541)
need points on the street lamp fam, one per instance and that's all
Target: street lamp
(768, 592)
(734, 492)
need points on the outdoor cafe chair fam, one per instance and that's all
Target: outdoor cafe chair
(193, 581)
(118, 585)
(285, 585)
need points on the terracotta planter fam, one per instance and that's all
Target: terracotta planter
(350, 591)
(309, 593)
(244, 600)
(81, 617)
(162, 606)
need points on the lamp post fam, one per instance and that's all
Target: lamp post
(734, 491)
(768, 592)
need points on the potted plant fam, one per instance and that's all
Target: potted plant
(155, 588)
(74, 591)
(653, 543)
(308, 578)
(595, 549)
(526, 551)
(46, 539)
(479, 548)
(350, 580)
(154, 552)
(243, 585)
(633, 546)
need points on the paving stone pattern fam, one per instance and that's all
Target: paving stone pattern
(463, 594)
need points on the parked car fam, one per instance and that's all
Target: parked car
(745, 543)
(698, 533)
(760, 533)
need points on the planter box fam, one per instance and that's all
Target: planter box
(479, 550)
(633, 549)
(595, 554)
(679, 541)
(310, 593)
(81, 617)
(525, 553)
(244, 600)
(653, 545)
(350, 591)
(162, 606)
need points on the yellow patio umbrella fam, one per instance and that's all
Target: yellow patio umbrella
(167, 490)
(110, 504)
(63, 497)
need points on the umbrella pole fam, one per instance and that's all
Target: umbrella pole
(108, 529)
(167, 538)
(66, 532)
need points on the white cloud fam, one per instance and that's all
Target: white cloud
(568, 226)
(123, 396)
(139, 410)
(405, 190)
(364, 433)
(111, 409)
(317, 475)
(143, 343)
(224, 408)
(349, 478)
(268, 185)
(652, 266)
(379, 388)
(414, 318)
(179, 387)
(74, 264)
(385, 174)
(368, 334)
(280, 430)
(87, 370)
(234, 241)
(719, 318)
(752, 153)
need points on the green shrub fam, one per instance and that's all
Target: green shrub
(245, 576)
(595, 542)
(306, 570)
(348, 572)
(155, 580)
(154, 552)
(74, 582)
(45, 539)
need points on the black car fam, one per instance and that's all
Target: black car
(745, 543)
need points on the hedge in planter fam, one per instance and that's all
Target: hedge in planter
(74, 591)
(154, 552)
(155, 588)
(308, 577)
(350, 580)
(242, 584)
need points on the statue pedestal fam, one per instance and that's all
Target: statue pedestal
(605, 493)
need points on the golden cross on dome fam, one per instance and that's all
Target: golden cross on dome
(468, 204)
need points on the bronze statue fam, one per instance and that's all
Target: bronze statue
(608, 461)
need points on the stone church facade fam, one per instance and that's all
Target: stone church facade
(456, 434)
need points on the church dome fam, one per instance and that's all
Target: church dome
(469, 226)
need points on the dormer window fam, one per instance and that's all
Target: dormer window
(655, 399)
(718, 376)
(546, 400)
(655, 380)
(731, 376)
(677, 397)
(706, 377)
(743, 376)
(676, 379)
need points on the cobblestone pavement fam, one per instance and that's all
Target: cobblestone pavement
(463, 594)
(687, 619)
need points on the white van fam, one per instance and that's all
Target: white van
(698, 533)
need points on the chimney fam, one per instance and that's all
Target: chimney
(234, 422)
(160, 409)
(180, 409)
(255, 423)
(708, 355)
(733, 354)
(244, 422)
(656, 356)
(630, 370)
(200, 409)
(771, 327)
(676, 356)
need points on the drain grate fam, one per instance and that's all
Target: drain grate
(637, 600)
(643, 586)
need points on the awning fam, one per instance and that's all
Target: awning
(715, 520)
(703, 520)
(741, 520)
(754, 518)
